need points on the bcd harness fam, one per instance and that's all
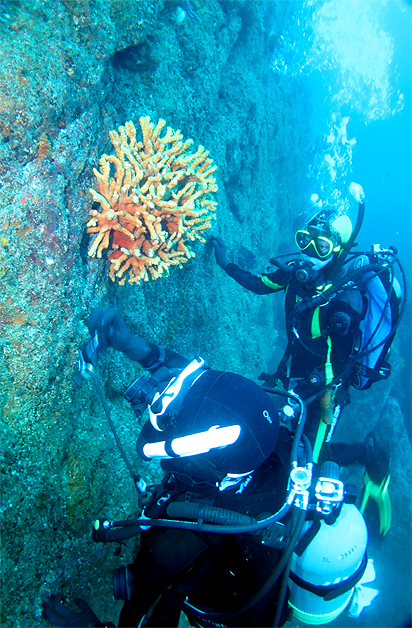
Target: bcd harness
(372, 273)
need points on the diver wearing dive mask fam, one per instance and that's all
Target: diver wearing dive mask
(320, 242)
(319, 345)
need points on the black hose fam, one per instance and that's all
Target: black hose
(335, 288)
(282, 593)
(210, 514)
(308, 448)
(301, 419)
(277, 572)
(114, 532)
(140, 485)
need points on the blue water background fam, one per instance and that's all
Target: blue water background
(377, 117)
(382, 163)
(361, 124)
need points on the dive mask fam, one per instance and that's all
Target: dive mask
(322, 246)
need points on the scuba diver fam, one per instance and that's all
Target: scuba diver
(235, 534)
(320, 340)
(341, 316)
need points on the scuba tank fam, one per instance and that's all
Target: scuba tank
(323, 577)
(330, 558)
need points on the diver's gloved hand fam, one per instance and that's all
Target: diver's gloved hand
(113, 332)
(377, 457)
(269, 379)
(220, 251)
(60, 615)
(110, 327)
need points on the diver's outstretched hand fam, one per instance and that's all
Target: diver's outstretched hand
(110, 327)
(58, 614)
(113, 332)
(220, 251)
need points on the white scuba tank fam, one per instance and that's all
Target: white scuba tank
(334, 555)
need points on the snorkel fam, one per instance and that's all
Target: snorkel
(357, 192)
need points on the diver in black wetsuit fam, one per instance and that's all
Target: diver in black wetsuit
(322, 339)
(218, 438)
(223, 557)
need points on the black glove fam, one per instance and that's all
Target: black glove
(269, 379)
(110, 327)
(112, 332)
(220, 251)
(60, 615)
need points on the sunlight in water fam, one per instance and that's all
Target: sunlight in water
(345, 47)
(347, 43)
(349, 38)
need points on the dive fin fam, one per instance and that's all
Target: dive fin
(380, 493)
(362, 597)
(370, 573)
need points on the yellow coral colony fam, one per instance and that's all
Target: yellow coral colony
(154, 199)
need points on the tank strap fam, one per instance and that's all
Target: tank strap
(332, 591)
(307, 538)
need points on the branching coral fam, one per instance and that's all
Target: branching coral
(154, 197)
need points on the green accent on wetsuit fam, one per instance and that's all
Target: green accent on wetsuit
(320, 437)
(328, 364)
(315, 327)
(271, 284)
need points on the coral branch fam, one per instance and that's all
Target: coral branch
(154, 197)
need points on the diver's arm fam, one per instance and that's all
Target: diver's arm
(263, 284)
(160, 356)
(259, 284)
(112, 332)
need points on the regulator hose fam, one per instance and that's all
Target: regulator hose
(350, 279)
(138, 481)
(210, 514)
(109, 531)
(300, 425)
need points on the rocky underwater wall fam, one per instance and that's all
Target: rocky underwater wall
(70, 73)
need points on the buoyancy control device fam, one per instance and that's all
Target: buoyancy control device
(383, 297)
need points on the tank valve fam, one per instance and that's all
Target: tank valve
(329, 493)
(299, 483)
